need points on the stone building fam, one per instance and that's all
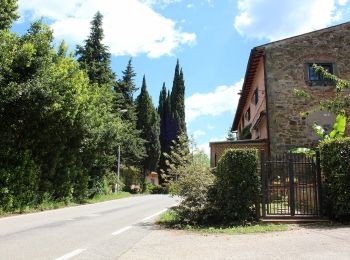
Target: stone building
(268, 106)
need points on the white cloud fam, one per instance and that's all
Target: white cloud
(131, 27)
(205, 148)
(223, 99)
(198, 133)
(276, 19)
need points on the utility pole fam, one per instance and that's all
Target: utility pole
(118, 169)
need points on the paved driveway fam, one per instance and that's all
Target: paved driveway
(299, 243)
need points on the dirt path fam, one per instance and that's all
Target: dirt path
(299, 243)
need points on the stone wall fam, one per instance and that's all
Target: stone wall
(218, 148)
(285, 71)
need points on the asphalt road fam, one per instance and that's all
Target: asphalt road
(97, 231)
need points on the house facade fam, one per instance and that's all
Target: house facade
(268, 107)
(269, 115)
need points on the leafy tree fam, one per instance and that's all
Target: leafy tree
(8, 13)
(148, 123)
(189, 177)
(94, 56)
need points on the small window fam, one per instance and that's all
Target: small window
(256, 96)
(316, 79)
(248, 114)
(313, 76)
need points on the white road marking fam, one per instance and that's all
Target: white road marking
(154, 215)
(71, 254)
(121, 230)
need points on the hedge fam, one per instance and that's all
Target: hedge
(237, 185)
(335, 163)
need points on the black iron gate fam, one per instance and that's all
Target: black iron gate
(291, 185)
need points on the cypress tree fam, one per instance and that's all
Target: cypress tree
(94, 57)
(164, 111)
(177, 99)
(8, 13)
(148, 124)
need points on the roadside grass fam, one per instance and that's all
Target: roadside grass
(170, 220)
(49, 205)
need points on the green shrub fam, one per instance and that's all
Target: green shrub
(335, 162)
(236, 187)
(156, 189)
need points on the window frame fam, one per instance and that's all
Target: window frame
(319, 81)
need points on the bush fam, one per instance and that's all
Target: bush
(156, 189)
(236, 187)
(335, 163)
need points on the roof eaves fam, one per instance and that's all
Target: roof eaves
(254, 57)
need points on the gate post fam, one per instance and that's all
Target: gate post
(263, 182)
(291, 184)
(319, 183)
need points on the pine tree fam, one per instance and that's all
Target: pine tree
(132, 145)
(8, 13)
(94, 57)
(127, 86)
(148, 123)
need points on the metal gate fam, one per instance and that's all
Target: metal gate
(291, 185)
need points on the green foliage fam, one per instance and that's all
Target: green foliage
(190, 179)
(335, 162)
(94, 57)
(237, 186)
(8, 13)
(338, 105)
(245, 133)
(148, 124)
(132, 145)
(338, 130)
(59, 135)
(177, 99)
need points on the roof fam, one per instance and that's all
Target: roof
(247, 141)
(255, 55)
(253, 63)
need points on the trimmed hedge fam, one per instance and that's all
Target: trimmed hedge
(335, 163)
(237, 186)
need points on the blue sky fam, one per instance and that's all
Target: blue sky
(211, 38)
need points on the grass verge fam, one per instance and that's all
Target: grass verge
(62, 204)
(169, 219)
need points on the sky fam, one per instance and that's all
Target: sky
(211, 38)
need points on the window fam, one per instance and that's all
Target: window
(256, 96)
(316, 79)
(313, 76)
(248, 114)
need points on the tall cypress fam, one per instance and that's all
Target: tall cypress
(148, 124)
(94, 56)
(177, 99)
(164, 111)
